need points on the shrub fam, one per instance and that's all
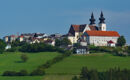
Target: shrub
(10, 73)
(38, 72)
(23, 73)
(13, 49)
(24, 57)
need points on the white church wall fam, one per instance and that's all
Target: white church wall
(100, 40)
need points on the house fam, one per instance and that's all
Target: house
(8, 47)
(50, 42)
(33, 40)
(82, 50)
(21, 38)
(111, 43)
(6, 38)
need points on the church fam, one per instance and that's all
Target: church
(93, 34)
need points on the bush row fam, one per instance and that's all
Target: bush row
(111, 74)
(37, 72)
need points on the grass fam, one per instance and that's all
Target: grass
(63, 70)
(12, 62)
(73, 64)
(58, 77)
(22, 78)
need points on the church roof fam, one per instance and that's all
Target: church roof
(79, 28)
(93, 28)
(76, 28)
(103, 33)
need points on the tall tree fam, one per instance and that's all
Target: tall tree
(121, 41)
(2, 46)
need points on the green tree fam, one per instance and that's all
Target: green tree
(62, 42)
(121, 41)
(58, 42)
(24, 57)
(66, 42)
(75, 78)
(2, 46)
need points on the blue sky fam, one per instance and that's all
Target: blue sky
(56, 16)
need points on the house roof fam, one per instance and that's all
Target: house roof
(103, 33)
(79, 28)
(110, 42)
(93, 28)
(76, 28)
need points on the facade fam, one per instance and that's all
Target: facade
(92, 34)
(101, 38)
(82, 50)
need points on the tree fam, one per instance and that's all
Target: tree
(2, 46)
(24, 57)
(62, 42)
(66, 42)
(75, 78)
(121, 41)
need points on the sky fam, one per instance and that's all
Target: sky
(56, 16)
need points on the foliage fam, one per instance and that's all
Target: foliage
(111, 74)
(38, 72)
(121, 41)
(12, 49)
(2, 46)
(24, 57)
(75, 78)
(14, 73)
(62, 42)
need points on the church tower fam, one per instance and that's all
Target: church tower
(92, 20)
(102, 25)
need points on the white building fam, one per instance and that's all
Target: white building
(92, 34)
(101, 38)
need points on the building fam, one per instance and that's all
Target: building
(76, 31)
(92, 34)
(82, 50)
(101, 38)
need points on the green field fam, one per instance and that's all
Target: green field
(72, 65)
(12, 61)
(63, 70)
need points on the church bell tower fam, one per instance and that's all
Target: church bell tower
(102, 25)
(92, 20)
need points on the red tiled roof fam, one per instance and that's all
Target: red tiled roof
(110, 41)
(103, 33)
(76, 28)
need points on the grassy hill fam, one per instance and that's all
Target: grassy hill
(12, 61)
(63, 70)
(72, 65)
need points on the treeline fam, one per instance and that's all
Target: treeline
(118, 51)
(32, 48)
(39, 47)
(111, 74)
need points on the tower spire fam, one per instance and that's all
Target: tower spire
(92, 19)
(102, 19)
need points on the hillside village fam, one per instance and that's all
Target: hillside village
(83, 34)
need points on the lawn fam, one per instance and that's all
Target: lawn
(63, 70)
(12, 61)
(22, 78)
(73, 64)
